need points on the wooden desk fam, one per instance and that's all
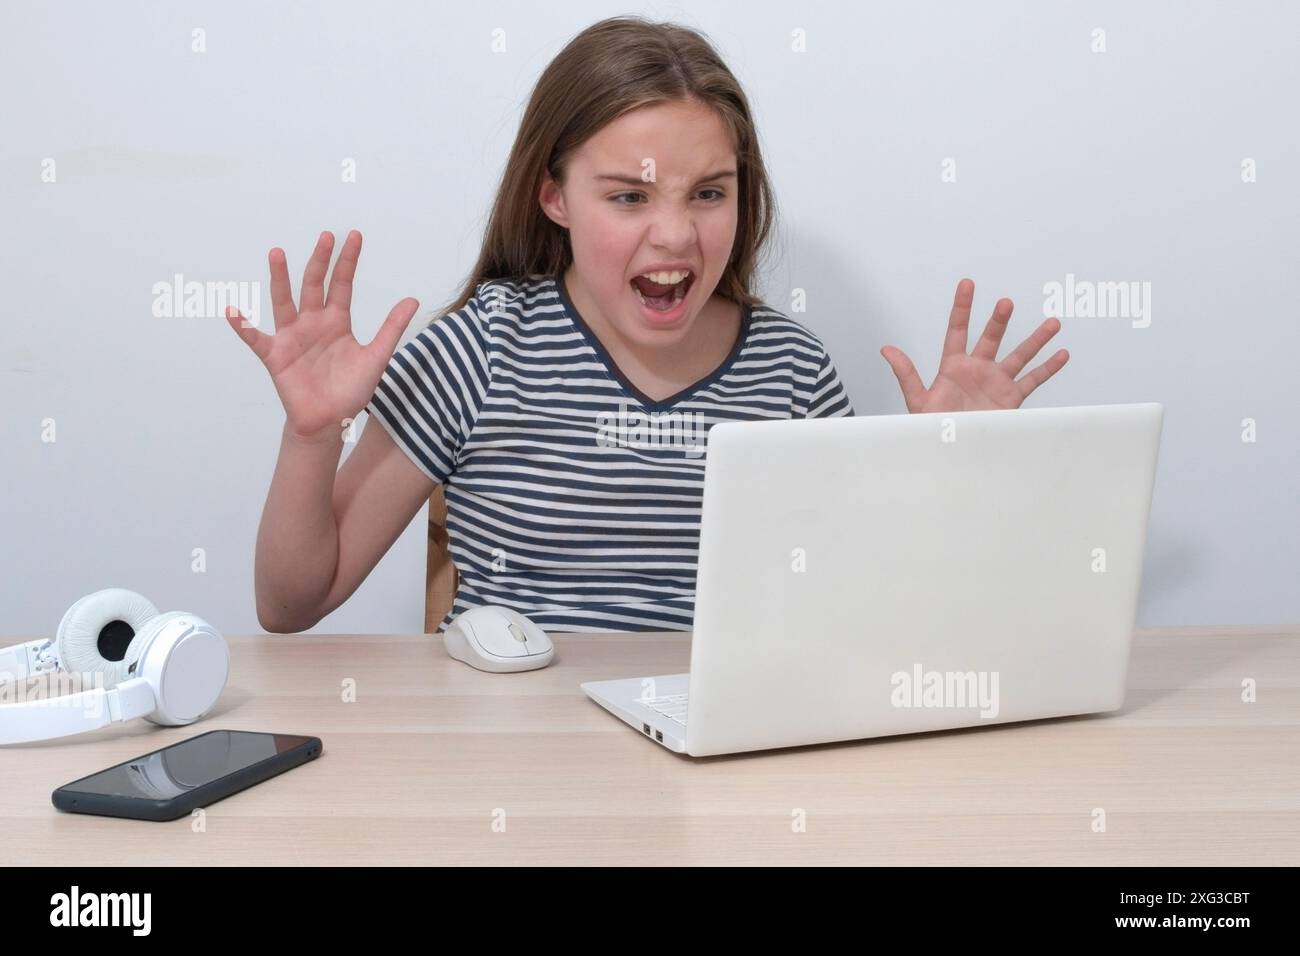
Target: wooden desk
(414, 770)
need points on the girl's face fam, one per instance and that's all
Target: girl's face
(654, 190)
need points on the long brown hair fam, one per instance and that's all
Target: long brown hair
(612, 67)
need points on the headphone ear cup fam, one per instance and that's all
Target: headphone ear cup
(123, 669)
(98, 631)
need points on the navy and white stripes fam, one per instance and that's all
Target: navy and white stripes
(571, 497)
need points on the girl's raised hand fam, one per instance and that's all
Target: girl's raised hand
(978, 380)
(322, 374)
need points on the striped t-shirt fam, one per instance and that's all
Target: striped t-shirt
(571, 496)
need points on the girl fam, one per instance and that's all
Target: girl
(563, 398)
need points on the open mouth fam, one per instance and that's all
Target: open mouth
(658, 297)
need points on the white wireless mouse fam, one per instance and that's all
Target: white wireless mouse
(498, 639)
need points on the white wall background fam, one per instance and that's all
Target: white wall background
(1123, 165)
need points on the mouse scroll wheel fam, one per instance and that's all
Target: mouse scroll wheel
(518, 633)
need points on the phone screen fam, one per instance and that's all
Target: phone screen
(191, 763)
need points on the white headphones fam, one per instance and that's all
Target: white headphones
(167, 668)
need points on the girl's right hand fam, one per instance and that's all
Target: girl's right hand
(322, 374)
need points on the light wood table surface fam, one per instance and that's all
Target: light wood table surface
(433, 757)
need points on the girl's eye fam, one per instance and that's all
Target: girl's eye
(617, 200)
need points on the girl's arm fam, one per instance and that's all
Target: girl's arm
(297, 540)
(314, 550)
(319, 537)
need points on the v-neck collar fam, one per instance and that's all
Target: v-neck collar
(617, 373)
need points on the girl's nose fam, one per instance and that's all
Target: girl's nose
(673, 229)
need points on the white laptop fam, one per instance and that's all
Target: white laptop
(891, 574)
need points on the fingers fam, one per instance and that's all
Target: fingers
(259, 342)
(1041, 374)
(1030, 347)
(909, 381)
(390, 333)
(987, 346)
(959, 320)
(340, 291)
(312, 296)
(281, 293)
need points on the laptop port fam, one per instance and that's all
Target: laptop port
(645, 729)
(659, 736)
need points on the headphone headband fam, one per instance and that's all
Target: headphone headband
(23, 660)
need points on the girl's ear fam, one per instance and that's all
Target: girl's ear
(551, 200)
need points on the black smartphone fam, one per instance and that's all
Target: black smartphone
(173, 781)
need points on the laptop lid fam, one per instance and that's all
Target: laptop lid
(892, 574)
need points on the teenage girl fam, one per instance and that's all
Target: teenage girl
(563, 398)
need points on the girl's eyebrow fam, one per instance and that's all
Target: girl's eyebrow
(638, 181)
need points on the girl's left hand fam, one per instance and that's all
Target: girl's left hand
(978, 380)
